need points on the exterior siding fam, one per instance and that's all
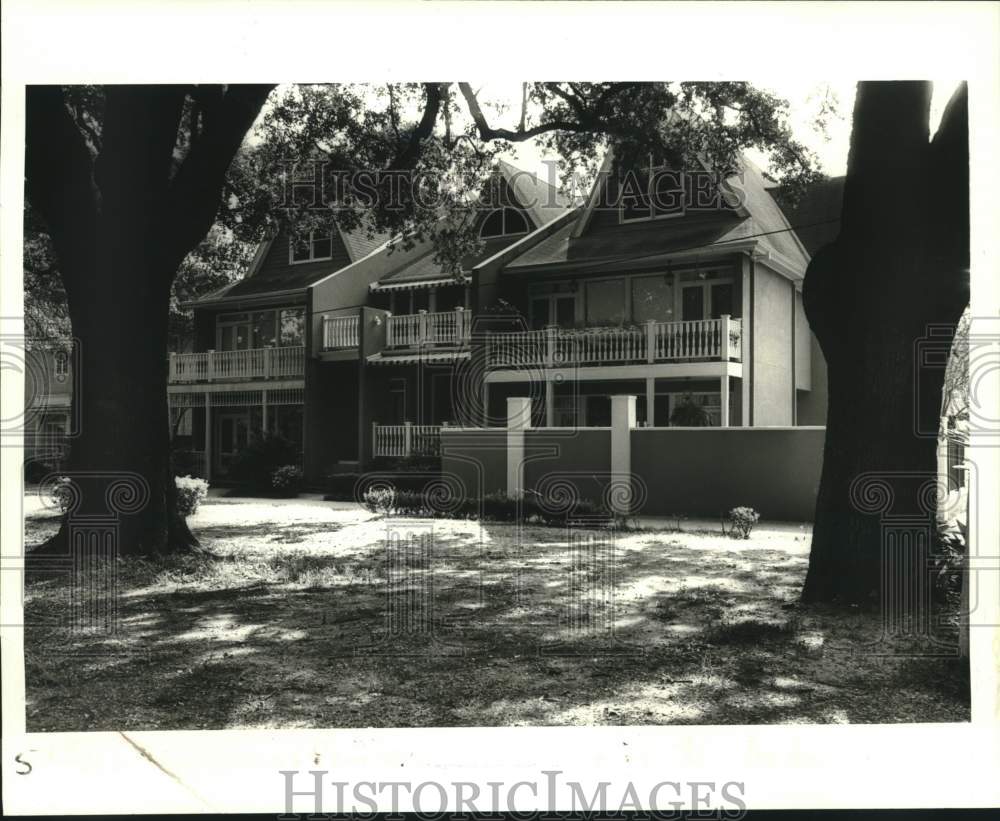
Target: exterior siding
(812, 404)
(773, 387)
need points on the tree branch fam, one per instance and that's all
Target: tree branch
(486, 132)
(193, 197)
(407, 158)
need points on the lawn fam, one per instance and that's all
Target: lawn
(302, 617)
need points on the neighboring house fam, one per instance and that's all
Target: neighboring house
(341, 342)
(48, 393)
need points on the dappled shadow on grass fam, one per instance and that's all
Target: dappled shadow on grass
(515, 628)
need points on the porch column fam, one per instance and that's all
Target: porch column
(622, 423)
(263, 411)
(724, 400)
(518, 420)
(486, 403)
(208, 436)
(650, 401)
(550, 401)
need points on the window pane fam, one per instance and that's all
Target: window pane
(300, 249)
(292, 327)
(652, 298)
(722, 300)
(693, 299)
(667, 193)
(493, 224)
(565, 311)
(322, 245)
(263, 329)
(514, 221)
(634, 196)
(606, 302)
(226, 338)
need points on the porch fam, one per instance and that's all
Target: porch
(252, 363)
(704, 340)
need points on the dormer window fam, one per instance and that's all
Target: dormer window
(657, 193)
(312, 247)
(503, 222)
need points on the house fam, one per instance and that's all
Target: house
(347, 344)
(48, 417)
(650, 290)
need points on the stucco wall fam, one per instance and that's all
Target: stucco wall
(773, 391)
(706, 471)
(812, 403)
(475, 460)
(562, 459)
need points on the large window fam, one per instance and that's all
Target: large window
(281, 327)
(606, 302)
(503, 222)
(312, 247)
(706, 300)
(652, 298)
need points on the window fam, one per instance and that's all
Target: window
(293, 325)
(652, 298)
(553, 309)
(397, 401)
(317, 245)
(503, 222)
(270, 328)
(61, 366)
(651, 194)
(706, 300)
(606, 302)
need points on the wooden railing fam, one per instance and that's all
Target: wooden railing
(406, 440)
(444, 328)
(718, 339)
(254, 363)
(340, 332)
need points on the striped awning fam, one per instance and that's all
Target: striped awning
(423, 356)
(412, 285)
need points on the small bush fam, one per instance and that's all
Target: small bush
(191, 492)
(380, 500)
(287, 479)
(741, 521)
(62, 493)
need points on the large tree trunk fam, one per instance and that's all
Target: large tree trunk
(122, 218)
(898, 268)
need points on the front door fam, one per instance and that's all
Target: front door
(232, 435)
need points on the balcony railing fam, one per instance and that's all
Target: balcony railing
(705, 339)
(444, 328)
(254, 363)
(406, 440)
(340, 332)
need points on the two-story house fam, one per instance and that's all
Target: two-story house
(347, 344)
(662, 286)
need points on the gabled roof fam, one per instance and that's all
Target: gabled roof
(541, 201)
(760, 221)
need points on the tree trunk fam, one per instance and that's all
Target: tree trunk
(121, 460)
(898, 268)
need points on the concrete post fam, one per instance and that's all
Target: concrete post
(550, 403)
(650, 402)
(650, 341)
(518, 420)
(407, 438)
(724, 338)
(208, 436)
(724, 401)
(622, 424)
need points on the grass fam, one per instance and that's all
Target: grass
(297, 619)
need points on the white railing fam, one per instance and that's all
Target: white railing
(406, 440)
(255, 363)
(653, 342)
(340, 332)
(444, 328)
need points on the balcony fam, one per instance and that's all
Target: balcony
(655, 342)
(416, 330)
(251, 364)
(341, 332)
(406, 440)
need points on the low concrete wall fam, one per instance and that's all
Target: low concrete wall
(692, 471)
(706, 471)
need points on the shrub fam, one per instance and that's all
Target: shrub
(191, 492)
(380, 500)
(62, 493)
(287, 479)
(689, 414)
(255, 464)
(741, 521)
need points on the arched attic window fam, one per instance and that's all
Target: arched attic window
(503, 222)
